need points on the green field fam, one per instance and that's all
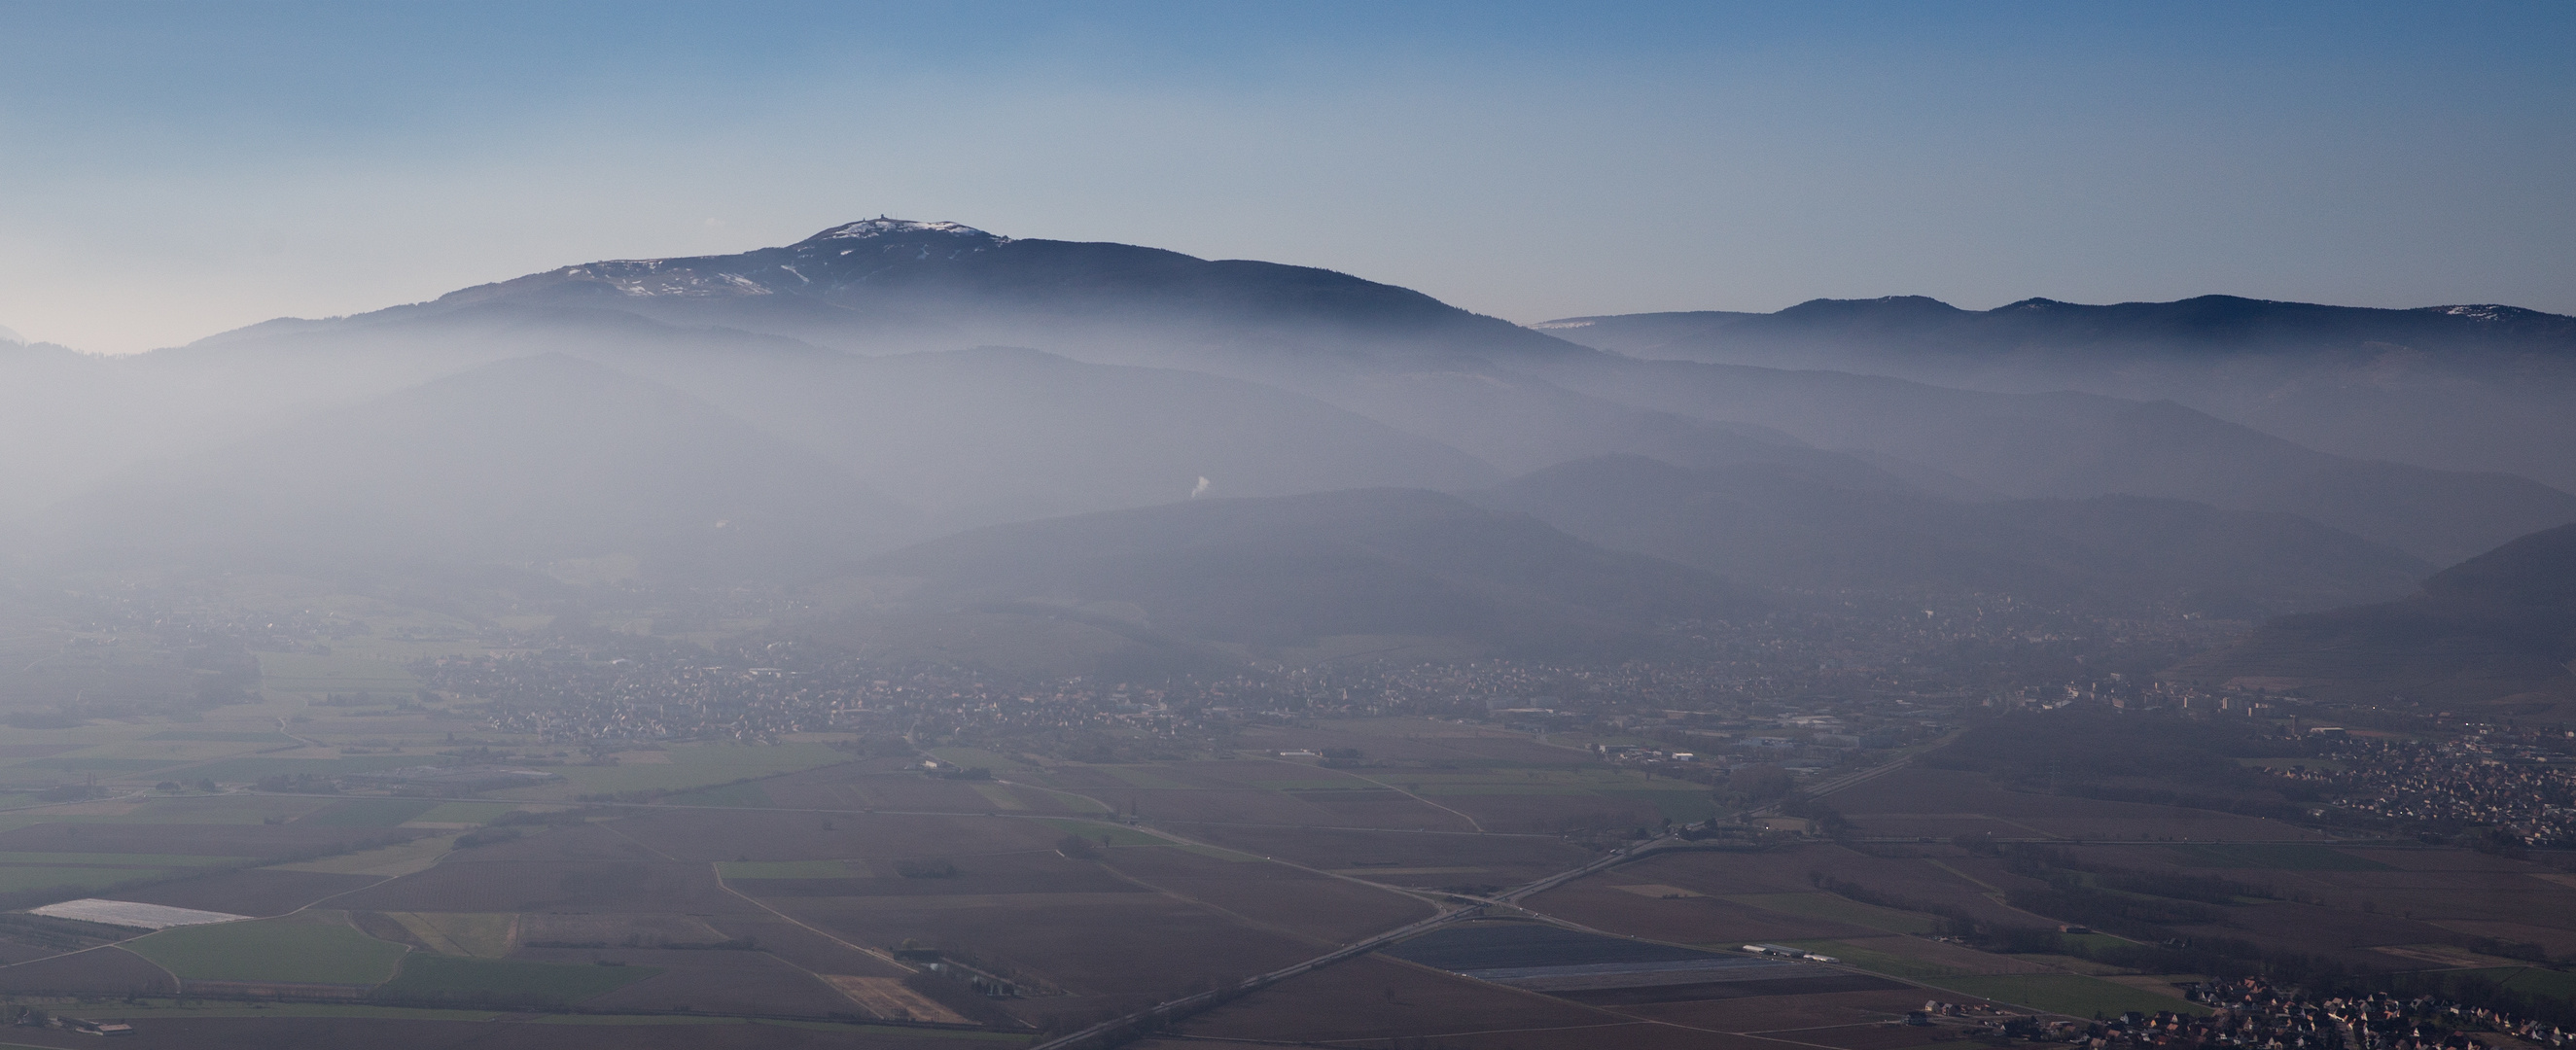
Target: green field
(1068, 800)
(206, 809)
(149, 860)
(1145, 777)
(1213, 852)
(1118, 836)
(222, 736)
(315, 948)
(2069, 994)
(505, 982)
(1874, 961)
(788, 869)
(2527, 980)
(976, 758)
(2284, 857)
(99, 764)
(464, 813)
(135, 1009)
(371, 812)
(691, 766)
(748, 796)
(246, 770)
(31, 877)
(1840, 909)
(1682, 807)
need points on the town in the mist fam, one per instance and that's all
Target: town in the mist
(1073, 527)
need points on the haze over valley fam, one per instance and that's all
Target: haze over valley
(1392, 528)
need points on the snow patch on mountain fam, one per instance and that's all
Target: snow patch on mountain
(881, 227)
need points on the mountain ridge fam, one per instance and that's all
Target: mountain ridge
(2457, 387)
(2495, 631)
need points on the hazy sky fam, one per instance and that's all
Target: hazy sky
(168, 171)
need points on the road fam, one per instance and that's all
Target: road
(1185, 1005)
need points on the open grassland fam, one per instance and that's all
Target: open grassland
(482, 935)
(690, 766)
(1117, 835)
(1385, 1002)
(2071, 994)
(370, 812)
(19, 877)
(2527, 980)
(2279, 856)
(747, 796)
(505, 982)
(1875, 960)
(1840, 909)
(145, 860)
(791, 869)
(146, 1009)
(314, 948)
(251, 768)
(975, 758)
(201, 809)
(402, 859)
(463, 813)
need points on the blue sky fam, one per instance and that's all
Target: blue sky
(168, 171)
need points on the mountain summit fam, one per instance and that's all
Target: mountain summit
(886, 284)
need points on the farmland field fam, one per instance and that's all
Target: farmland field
(819, 882)
(689, 766)
(1839, 909)
(427, 978)
(316, 948)
(2070, 994)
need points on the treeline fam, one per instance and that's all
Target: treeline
(2220, 958)
(2146, 906)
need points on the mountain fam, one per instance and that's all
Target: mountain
(2071, 445)
(1518, 399)
(1777, 524)
(2474, 387)
(967, 437)
(2497, 630)
(883, 285)
(526, 460)
(998, 434)
(1009, 380)
(1365, 570)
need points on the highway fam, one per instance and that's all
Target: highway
(1186, 1005)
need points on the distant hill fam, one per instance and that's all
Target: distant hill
(525, 460)
(1777, 524)
(2472, 387)
(2071, 445)
(977, 379)
(1375, 568)
(896, 285)
(2497, 629)
(966, 437)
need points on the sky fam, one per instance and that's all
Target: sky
(168, 171)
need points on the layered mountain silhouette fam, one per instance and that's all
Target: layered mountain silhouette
(2476, 387)
(526, 460)
(1777, 524)
(2071, 445)
(893, 284)
(2498, 629)
(887, 382)
(1292, 572)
